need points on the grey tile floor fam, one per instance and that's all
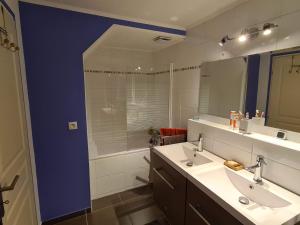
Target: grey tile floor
(133, 207)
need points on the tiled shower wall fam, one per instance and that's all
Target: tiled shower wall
(283, 164)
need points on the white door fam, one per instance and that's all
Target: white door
(14, 150)
(284, 107)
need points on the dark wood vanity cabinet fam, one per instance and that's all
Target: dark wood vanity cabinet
(182, 202)
(201, 209)
(169, 190)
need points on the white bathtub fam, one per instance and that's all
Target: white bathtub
(113, 173)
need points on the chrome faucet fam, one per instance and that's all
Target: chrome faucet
(199, 145)
(258, 167)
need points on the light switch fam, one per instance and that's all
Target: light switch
(73, 125)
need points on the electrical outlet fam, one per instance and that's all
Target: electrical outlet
(73, 125)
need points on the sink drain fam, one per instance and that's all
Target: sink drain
(189, 163)
(244, 200)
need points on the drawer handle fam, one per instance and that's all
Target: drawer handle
(199, 214)
(164, 179)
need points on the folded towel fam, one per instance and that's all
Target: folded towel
(172, 131)
(168, 140)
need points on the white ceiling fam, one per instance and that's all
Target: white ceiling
(130, 38)
(179, 13)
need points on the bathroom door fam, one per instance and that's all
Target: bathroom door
(15, 170)
(283, 108)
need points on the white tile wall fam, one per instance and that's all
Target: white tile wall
(185, 96)
(118, 173)
(283, 164)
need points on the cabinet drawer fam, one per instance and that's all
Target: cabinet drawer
(169, 190)
(193, 217)
(200, 206)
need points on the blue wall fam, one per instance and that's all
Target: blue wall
(54, 40)
(252, 84)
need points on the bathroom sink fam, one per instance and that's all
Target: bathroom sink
(188, 157)
(232, 184)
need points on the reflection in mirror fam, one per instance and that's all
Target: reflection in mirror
(222, 86)
(283, 111)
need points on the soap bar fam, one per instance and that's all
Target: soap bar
(233, 165)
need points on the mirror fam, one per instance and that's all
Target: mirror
(222, 86)
(269, 82)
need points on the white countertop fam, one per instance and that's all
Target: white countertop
(227, 196)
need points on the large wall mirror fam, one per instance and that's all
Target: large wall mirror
(269, 82)
(263, 74)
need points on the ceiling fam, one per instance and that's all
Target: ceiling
(130, 38)
(179, 13)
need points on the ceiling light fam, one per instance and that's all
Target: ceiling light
(222, 42)
(243, 38)
(267, 32)
(250, 33)
(267, 28)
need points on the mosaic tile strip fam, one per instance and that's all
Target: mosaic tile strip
(142, 73)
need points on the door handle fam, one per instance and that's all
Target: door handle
(164, 179)
(11, 186)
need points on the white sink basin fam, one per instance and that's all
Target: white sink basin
(187, 157)
(232, 184)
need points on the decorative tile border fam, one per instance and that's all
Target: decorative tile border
(143, 73)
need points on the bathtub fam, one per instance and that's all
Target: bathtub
(113, 173)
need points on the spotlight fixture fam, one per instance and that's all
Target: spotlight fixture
(250, 33)
(243, 38)
(224, 40)
(267, 28)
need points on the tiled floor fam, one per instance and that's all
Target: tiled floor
(133, 207)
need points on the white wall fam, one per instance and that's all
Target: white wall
(283, 165)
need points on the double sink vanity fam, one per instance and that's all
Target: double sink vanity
(195, 188)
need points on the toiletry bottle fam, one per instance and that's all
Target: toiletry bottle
(232, 118)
